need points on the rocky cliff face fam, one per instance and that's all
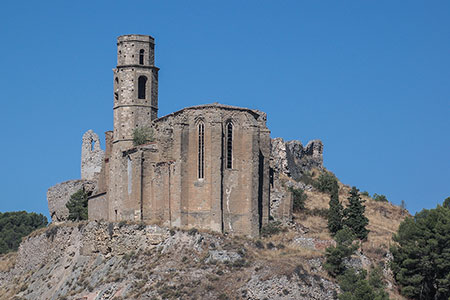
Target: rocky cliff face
(118, 261)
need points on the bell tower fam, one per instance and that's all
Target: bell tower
(135, 87)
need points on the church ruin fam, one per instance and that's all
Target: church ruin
(207, 166)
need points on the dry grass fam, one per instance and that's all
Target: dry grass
(7, 261)
(384, 218)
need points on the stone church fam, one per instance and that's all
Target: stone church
(207, 166)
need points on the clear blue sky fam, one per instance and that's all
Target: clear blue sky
(371, 79)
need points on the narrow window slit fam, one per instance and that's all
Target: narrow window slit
(201, 151)
(141, 56)
(229, 146)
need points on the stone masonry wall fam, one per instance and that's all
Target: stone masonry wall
(58, 195)
(91, 156)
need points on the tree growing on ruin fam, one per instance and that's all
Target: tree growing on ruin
(142, 135)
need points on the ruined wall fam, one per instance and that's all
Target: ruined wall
(92, 159)
(290, 160)
(92, 156)
(58, 195)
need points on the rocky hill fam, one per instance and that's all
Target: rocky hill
(137, 261)
(100, 260)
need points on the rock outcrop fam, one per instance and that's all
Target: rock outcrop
(98, 260)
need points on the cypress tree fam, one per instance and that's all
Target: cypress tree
(354, 215)
(335, 212)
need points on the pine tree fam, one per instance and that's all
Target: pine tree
(335, 212)
(354, 215)
(421, 263)
(78, 206)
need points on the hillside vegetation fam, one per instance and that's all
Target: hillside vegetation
(143, 261)
(15, 225)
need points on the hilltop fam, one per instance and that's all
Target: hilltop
(102, 260)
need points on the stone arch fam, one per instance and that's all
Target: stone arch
(91, 156)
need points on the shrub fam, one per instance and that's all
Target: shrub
(307, 178)
(193, 231)
(271, 228)
(299, 198)
(78, 206)
(327, 183)
(379, 198)
(365, 193)
(336, 255)
(142, 135)
(355, 286)
(259, 244)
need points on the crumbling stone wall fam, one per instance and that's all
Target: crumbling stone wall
(91, 156)
(58, 195)
(290, 160)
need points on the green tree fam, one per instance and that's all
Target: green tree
(446, 203)
(379, 198)
(78, 206)
(421, 262)
(354, 217)
(142, 135)
(355, 286)
(336, 255)
(326, 183)
(15, 225)
(335, 213)
(298, 197)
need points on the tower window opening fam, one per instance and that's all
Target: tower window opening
(141, 56)
(142, 82)
(201, 151)
(229, 145)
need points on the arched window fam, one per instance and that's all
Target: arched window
(141, 56)
(201, 150)
(142, 82)
(229, 145)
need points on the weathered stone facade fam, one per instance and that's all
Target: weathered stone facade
(91, 156)
(209, 166)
